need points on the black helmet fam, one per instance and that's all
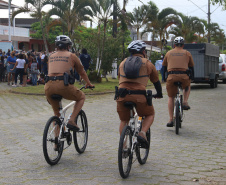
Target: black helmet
(136, 46)
(63, 41)
(179, 41)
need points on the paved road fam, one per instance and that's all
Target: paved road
(196, 156)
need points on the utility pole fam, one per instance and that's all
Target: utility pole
(9, 32)
(208, 21)
(208, 15)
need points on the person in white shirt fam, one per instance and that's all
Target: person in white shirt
(20, 64)
(42, 59)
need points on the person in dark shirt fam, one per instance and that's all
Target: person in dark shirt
(1, 67)
(8, 53)
(85, 59)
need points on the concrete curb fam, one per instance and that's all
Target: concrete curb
(36, 94)
(94, 93)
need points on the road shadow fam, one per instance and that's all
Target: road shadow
(200, 86)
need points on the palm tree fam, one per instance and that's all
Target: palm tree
(103, 10)
(36, 12)
(24, 9)
(217, 35)
(189, 28)
(138, 18)
(124, 5)
(71, 13)
(158, 22)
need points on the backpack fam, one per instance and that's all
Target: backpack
(132, 67)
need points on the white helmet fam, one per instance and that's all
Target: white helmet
(136, 46)
(63, 40)
(179, 41)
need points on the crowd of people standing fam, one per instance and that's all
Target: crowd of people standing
(30, 66)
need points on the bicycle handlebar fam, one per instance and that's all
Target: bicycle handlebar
(88, 87)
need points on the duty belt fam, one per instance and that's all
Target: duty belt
(177, 72)
(54, 78)
(136, 92)
(123, 92)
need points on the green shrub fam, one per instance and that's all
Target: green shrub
(93, 76)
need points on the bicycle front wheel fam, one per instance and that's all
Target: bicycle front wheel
(141, 152)
(125, 154)
(81, 136)
(52, 148)
(177, 119)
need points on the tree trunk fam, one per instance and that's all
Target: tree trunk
(137, 33)
(102, 52)
(115, 19)
(44, 38)
(98, 50)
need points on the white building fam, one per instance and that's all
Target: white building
(11, 33)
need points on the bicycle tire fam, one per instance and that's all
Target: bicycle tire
(141, 152)
(81, 136)
(52, 157)
(177, 119)
(181, 108)
(124, 152)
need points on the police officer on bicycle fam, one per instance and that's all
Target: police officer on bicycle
(133, 88)
(177, 62)
(60, 79)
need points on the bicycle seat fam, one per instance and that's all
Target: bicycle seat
(129, 104)
(56, 97)
(178, 84)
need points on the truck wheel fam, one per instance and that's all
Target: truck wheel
(216, 81)
(224, 81)
(212, 83)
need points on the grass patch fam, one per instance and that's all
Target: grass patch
(104, 86)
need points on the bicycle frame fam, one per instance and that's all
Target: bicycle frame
(64, 109)
(62, 117)
(178, 98)
(134, 127)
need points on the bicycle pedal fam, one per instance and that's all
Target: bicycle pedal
(142, 145)
(56, 140)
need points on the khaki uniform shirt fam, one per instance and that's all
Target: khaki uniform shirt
(63, 61)
(178, 59)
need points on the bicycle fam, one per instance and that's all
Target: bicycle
(178, 108)
(53, 146)
(128, 143)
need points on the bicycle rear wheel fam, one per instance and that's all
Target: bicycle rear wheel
(52, 149)
(125, 155)
(181, 110)
(81, 136)
(141, 152)
(177, 119)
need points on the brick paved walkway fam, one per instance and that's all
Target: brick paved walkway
(196, 156)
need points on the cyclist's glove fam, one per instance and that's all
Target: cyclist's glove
(158, 88)
(191, 73)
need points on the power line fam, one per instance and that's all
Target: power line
(197, 6)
